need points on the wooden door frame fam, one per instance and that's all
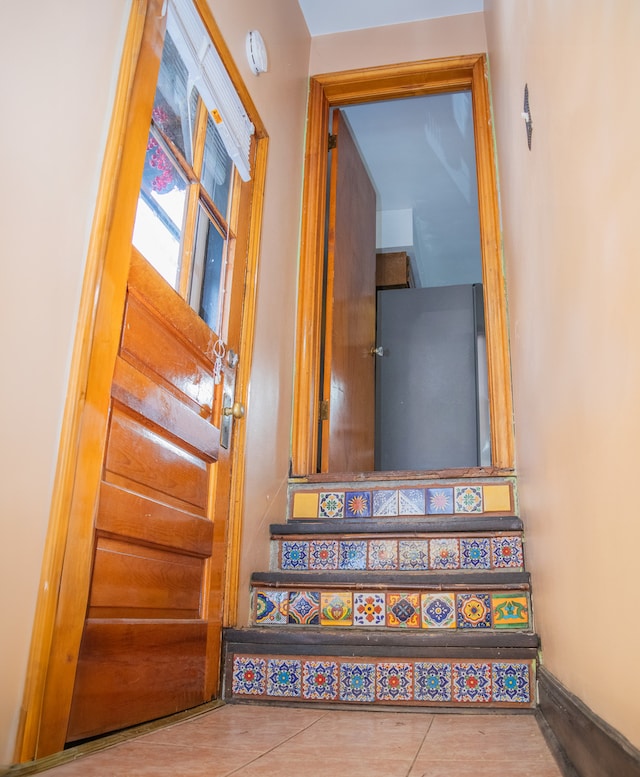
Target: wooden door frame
(65, 577)
(384, 83)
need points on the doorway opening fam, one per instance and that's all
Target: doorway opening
(356, 88)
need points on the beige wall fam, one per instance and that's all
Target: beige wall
(446, 37)
(570, 212)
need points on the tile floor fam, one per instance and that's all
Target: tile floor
(257, 741)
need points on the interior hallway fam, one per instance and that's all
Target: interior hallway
(258, 741)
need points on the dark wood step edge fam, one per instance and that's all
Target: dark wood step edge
(440, 581)
(418, 525)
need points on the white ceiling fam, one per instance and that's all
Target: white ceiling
(328, 16)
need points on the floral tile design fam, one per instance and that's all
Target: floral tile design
(383, 554)
(336, 608)
(403, 610)
(411, 501)
(357, 682)
(394, 682)
(444, 553)
(506, 552)
(438, 611)
(283, 677)
(323, 554)
(304, 608)
(385, 503)
(439, 501)
(511, 682)
(352, 554)
(468, 499)
(474, 553)
(413, 554)
(474, 611)
(320, 680)
(272, 607)
(510, 611)
(432, 681)
(369, 609)
(249, 675)
(471, 682)
(358, 504)
(294, 555)
(331, 505)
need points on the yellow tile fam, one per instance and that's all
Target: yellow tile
(497, 498)
(305, 505)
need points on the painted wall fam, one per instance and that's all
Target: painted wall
(57, 105)
(570, 212)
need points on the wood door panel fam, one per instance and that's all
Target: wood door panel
(157, 405)
(129, 577)
(152, 344)
(125, 514)
(140, 670)
(143, 456)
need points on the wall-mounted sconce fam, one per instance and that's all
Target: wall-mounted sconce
(256, 53)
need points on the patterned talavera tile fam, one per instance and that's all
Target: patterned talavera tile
(383, 554)
(304, 608)
(471, 682)
(331, 504)
(468, 499)
(438, 611)
(323, 554)
(336, 608)
(320, 680)
(413, 554)
(385, 503)
(474, 553)
(444, 553)
(439, 501)
(294, 555)
(394, 681)
(432, 681)
(411, 501)
(473, 611)
(506, 552)
(272, 607)
(352, 554)
(511, 682)
(369, 609)
(249, 675)
(305, 505)
(283, 677)
(358, 504)
(510, 611)
(357, 681)
(403, 610)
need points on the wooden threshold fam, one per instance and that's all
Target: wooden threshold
(460, 473)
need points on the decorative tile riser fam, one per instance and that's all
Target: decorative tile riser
(431, 610)
(435, 682)
(419, 553)
(346, 501)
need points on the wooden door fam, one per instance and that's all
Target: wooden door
(151, 640)
(349, 367)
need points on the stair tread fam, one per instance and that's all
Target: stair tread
(422, 579)
(393, 525)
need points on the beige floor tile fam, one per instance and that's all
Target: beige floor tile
(433, 768)
(323, 762)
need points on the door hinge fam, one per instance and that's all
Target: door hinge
(324, 409)
(333, 141)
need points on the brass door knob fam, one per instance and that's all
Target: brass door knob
(237, 411)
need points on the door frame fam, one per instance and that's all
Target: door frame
(410, 79)
(66, 568)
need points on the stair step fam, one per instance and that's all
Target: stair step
(493, 579)
(453, 671)
(404, 525)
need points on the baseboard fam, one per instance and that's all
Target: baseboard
(588, 743)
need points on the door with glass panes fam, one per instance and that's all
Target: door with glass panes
(151, 639)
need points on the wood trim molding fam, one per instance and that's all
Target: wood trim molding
(588, 745)
(355, 86)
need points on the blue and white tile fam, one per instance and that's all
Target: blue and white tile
(471, 682)
(444, 553)
(411, 501)
(383, 554)
(249, 676)
(358, 504)
(468, 499)
(320, 680)
(506, 552)
(284, 677)
(413, 554)
(432, 681)
(323, 554)
(439, 501)
(475, 553)
(294, 555)
(385, 503)
(394, 681)
(357, 682)
(331, 504)
(511, 682)
(352, 554)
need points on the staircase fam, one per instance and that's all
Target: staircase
(391, 592)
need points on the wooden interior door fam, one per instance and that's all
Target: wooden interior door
(151, 640)
(349, 367)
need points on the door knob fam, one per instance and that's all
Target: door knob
(237, 411)
(379, 351)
